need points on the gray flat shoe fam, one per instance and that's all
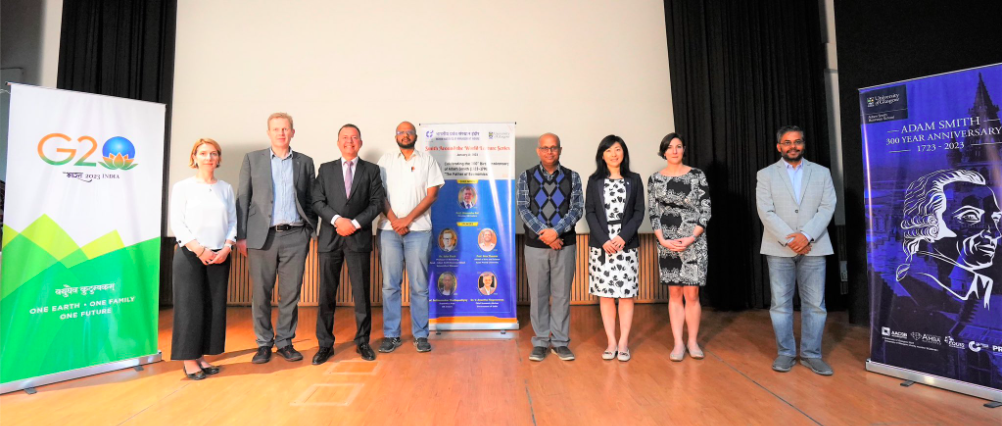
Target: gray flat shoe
(624, 355)
(783, 363)
(677, 357)
(609, 355)
(696, 354)
(818, 366)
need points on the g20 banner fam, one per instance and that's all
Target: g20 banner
(472, 278)
(933, 153)
(79, 281)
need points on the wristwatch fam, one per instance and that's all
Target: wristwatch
(229, 246)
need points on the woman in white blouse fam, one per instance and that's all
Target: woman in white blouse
(203, 217)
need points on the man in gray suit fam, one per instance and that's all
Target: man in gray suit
(796, 200)
(275, 220)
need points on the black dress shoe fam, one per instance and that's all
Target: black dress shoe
(290, 353)
(366, 351)
(194, 376)
(262, 356)
(210, 370)
(323, 355)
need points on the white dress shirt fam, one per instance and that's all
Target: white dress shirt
(203, 212)
(354, 171)
(406, 183)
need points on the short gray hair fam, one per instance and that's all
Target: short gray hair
(787, 129)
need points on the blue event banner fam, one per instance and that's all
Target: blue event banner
(472, 272)
(933, 170)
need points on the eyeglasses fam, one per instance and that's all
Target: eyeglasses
(549, 148)
(409, 133)
(787, 144)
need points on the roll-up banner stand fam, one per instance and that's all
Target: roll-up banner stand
(933, 170)
(472, 277)
(80, 274)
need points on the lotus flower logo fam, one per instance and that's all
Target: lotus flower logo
(118, 154)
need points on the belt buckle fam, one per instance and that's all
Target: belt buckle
(283, 227)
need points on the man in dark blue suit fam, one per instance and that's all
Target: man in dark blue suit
(348, 195)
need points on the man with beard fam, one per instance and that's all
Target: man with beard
(412, 179)
(487, 239)
(795, 200)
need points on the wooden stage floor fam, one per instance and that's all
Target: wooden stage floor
(492, 382)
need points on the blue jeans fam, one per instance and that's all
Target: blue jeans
(414, 248)
(809, 273)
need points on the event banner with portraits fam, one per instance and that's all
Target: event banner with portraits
(81, 235)
(933, 161)
(472, 278)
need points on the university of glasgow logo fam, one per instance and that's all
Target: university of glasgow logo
(886, 104)
(118, 154)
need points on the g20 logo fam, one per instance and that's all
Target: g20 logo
(118, 153)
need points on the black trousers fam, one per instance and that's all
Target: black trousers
(199, 306)
(330, 278)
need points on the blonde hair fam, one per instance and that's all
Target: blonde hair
(205, 141)
(441, 235)
(280, 115)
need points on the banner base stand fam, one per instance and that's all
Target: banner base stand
(935, 381)
(472, 335)
(31, 383)
(441, 325)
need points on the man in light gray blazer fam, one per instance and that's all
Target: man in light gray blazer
(275, 221)
(796, 200)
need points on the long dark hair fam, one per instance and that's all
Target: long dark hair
(601, 169)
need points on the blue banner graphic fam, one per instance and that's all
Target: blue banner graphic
(933, 153)
(472, 277)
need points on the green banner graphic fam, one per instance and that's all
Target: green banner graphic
(80, 299)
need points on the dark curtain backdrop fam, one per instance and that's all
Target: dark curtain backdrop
(739, 71)
(886, 41)
(122, 48)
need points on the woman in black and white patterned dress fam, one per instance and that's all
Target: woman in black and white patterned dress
(614, 208)
(679, 202)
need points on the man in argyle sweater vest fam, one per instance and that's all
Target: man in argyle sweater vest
(550, 202)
